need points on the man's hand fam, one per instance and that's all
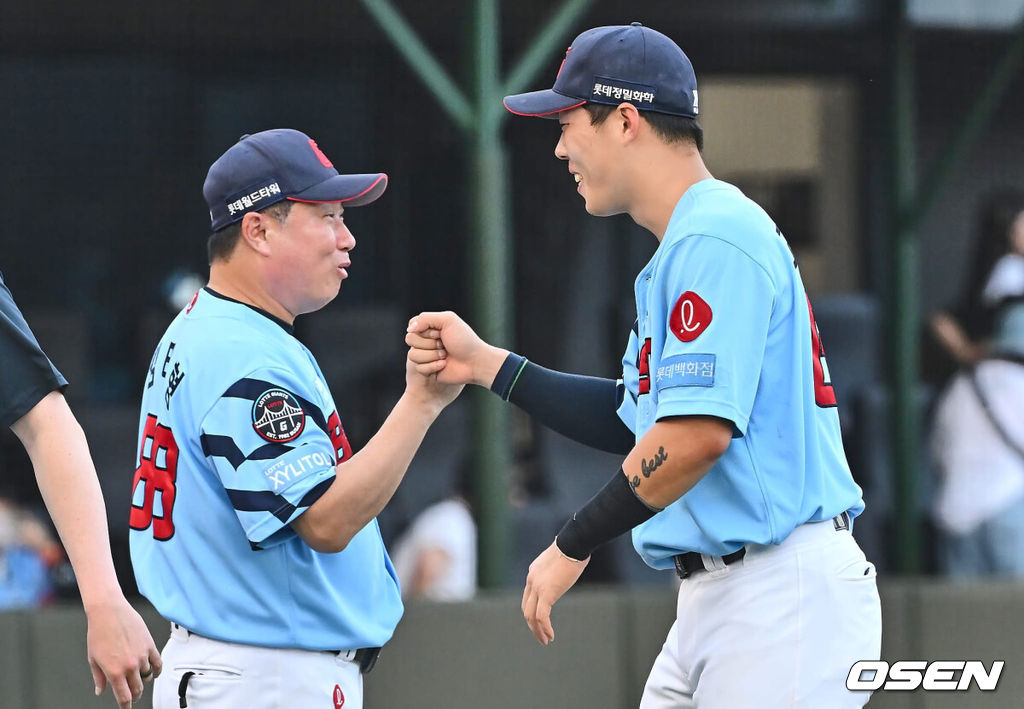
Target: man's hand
(121, 651)
(443, 344)
(424, 381)
(551, 575)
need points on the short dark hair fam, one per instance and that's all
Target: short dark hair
(671, 129)
(221, 244)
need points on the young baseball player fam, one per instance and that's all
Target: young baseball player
(32, 404)
(734, 475)
(253, 524)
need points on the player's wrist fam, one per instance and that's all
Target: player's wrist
(489, 365)
(506, 375)
(424, 403)
(93, 603)
(614, 510)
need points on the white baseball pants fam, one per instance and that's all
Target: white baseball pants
(210, 674)
(778, 629)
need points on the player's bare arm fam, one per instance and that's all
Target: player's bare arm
(674, 455)
(365, 482)
(670, 459)
(121, 650)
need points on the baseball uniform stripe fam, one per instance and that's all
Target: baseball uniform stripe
(266, 501)
(222, 446)
(251, 389)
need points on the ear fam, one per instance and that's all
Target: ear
(254, 232)
(628, 120)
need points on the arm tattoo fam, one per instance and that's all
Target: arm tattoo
(647, 467)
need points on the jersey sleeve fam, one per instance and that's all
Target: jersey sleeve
(27, 375)
(717, 303)
(271, 447)
(628, 386)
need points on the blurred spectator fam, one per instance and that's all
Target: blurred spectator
(978, 434)
(435, 557)
(964, 330)
(24, 571)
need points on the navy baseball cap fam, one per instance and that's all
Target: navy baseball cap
(612, 65)
(274, 165)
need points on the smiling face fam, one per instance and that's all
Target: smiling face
(595, 160)
(309, 255)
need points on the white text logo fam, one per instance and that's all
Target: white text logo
(908, 675)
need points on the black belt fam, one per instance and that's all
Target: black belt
(366, 658)
(693, 562)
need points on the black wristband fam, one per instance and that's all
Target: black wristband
(612, 511)
(506, 377)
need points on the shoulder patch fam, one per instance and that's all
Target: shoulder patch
(277, 415)
(685, 370)
(690, 317)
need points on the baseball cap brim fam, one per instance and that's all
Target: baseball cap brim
(351, 190)
(544, 103)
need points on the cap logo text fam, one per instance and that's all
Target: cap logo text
(248, 201)
(608, 88)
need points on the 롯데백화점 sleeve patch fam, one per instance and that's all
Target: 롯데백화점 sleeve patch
(685, 370)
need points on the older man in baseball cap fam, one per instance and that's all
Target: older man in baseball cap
(253, 523)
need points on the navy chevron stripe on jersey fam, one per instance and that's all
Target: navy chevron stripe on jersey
(266, 501)
(225, 447)
(269, 451)
(222, 446)
(251, 389)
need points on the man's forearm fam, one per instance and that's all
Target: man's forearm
(366, 482)
(581, 408)
(67, 480)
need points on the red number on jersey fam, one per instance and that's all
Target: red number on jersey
(643, 365)
(824, 394)
(158, 470)
(342, 448)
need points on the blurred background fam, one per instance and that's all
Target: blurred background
(875, 132)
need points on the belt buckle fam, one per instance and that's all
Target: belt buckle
(681, 571)
(366, 658)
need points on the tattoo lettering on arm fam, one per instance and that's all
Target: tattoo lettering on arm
(647, 467)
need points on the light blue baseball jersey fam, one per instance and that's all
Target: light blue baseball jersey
(724, 329)
(238, 436)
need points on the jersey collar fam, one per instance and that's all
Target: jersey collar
(273, 318)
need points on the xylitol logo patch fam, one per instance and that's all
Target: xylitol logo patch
(908, 675)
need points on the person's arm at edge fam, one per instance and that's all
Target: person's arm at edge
(119, 644)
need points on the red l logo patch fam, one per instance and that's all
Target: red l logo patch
(339, 697)
(690, 317)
